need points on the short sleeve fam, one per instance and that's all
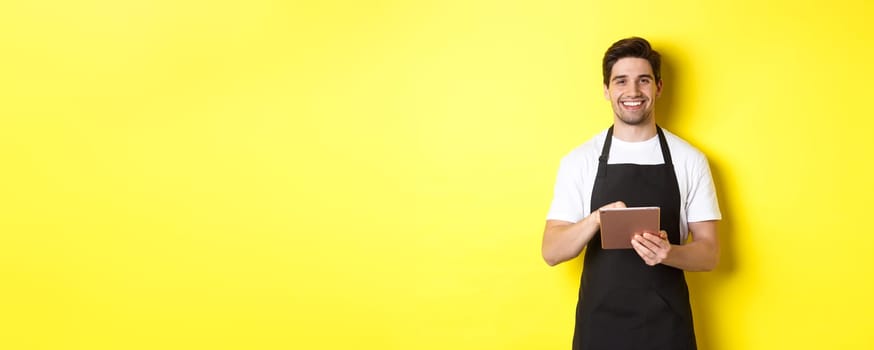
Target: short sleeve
(702, 203)
(567, 202)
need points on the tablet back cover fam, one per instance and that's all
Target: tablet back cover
(618, 225)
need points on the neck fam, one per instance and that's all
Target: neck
(634, 133)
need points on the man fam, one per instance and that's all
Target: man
(634, 298)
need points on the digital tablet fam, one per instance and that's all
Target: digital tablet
(618, 225)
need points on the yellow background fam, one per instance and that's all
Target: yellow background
(331, 174)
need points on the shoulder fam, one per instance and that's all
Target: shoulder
(682, 152)
(587, 152)
(582, 161)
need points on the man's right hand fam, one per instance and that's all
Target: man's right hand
(564, 240)
(597, 213)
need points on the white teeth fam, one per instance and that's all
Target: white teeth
(632, 103)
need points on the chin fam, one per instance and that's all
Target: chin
(634, 121)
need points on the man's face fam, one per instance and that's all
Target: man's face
(632, 90)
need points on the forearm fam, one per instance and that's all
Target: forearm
(563, 242)
(700, 255)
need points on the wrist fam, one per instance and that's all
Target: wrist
(595, 219)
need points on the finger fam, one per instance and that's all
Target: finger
(655, 237)
(651, 241)
(658, 250)
(645, 253)
(660, 241)
(642, 251)
(643, 240)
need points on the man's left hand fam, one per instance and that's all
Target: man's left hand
(653, 249)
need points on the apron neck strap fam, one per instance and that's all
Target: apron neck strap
(605, 152)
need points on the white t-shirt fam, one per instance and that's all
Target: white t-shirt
(576, 177)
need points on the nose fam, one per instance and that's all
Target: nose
(635, 87)
(632, 89)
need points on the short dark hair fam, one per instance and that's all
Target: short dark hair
(632, 47)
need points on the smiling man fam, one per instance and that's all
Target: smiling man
(634, 298)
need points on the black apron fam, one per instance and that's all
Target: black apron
(625, 303)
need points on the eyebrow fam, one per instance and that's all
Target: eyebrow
(639, 76)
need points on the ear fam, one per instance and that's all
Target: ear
(607, 92)
(659, 88)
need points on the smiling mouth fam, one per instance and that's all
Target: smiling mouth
(632, 104)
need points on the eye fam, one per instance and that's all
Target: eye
(620, 81)
(644, 81)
